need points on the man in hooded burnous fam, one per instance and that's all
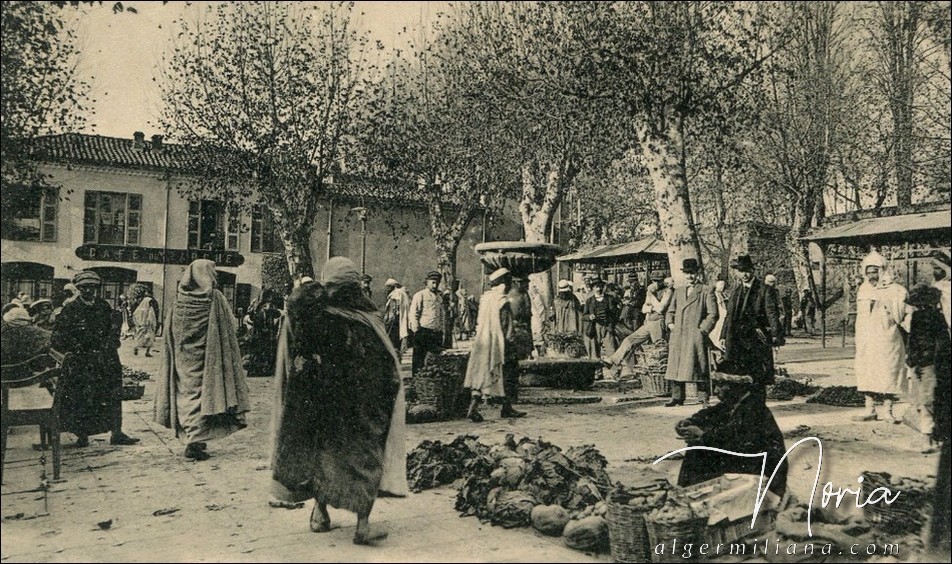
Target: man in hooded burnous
(493, 368)
(338, 426)
(880, 352)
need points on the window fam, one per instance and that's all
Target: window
(29, 214)
(112, 218)
(213, 225)
(264, 238)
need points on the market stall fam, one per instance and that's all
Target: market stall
(903, 238)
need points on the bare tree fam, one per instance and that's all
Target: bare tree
(269, 92)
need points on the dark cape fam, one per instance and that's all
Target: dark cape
(334, 402)
(744, 426)
(90, 390)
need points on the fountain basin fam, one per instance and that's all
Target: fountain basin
(519, 257)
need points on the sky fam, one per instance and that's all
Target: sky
(121, 53)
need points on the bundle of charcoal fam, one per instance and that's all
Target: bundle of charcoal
(788, 388)
(841, 396)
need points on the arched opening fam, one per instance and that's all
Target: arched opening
(33, 278)
(116, 281)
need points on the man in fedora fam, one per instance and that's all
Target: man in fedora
(426, 320)
(751, 330)
(691, 316)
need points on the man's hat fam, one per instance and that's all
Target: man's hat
(595, 281)
(743, 263)
(36, 305)
(632, 276)
(690, 266)
(498, 275)
(770, 280)
(434, 275)
(86, 278)
(564, 284)
(390, 282)
(366, 278)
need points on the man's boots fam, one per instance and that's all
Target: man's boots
(508, 411)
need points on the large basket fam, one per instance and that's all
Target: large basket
(627, 533)
(684, 532)
(440, 384)
(904, 515)
(653, 364)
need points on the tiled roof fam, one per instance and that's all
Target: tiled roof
(107, 151)
(97, 150)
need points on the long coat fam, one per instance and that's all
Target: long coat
(693, 317)
(751, 328)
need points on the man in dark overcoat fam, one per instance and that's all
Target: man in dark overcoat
(751, 330)
(691, 316)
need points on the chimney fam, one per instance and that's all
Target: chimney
(138, 140)
(156, 142)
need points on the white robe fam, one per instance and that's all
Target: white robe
(484, 371)
(880, 352)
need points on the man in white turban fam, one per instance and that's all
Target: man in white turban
(880, 353)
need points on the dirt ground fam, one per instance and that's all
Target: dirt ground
(146, 503)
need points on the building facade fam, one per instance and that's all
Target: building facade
(114, 208)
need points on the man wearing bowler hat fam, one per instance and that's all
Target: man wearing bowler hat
(691, 316)
(426, 320)
(751, 330)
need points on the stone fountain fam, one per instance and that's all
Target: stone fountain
(522, 259)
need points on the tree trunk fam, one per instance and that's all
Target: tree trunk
(664, 157)
(803, 209)
(297, 250)
(544, 184)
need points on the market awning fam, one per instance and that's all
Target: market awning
(648, 248)
(888, 230)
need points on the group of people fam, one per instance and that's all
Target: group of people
(338, 428)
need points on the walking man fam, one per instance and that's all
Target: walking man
(751, 330)
(691, 317)
(396, 315)
(493, 368)
(426, 320)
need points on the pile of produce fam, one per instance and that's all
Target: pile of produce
(841, 396)
(787, 388)
(433, 464)
(522, 483)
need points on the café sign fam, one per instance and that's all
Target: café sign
(121, 253)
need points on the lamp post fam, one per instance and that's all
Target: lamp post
(362, 216)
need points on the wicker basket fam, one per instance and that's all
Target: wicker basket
(627, 533)
(683, 532)
(904, 515)
(440, 385)
(653, 364)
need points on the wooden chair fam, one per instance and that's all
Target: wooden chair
(33, 405)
